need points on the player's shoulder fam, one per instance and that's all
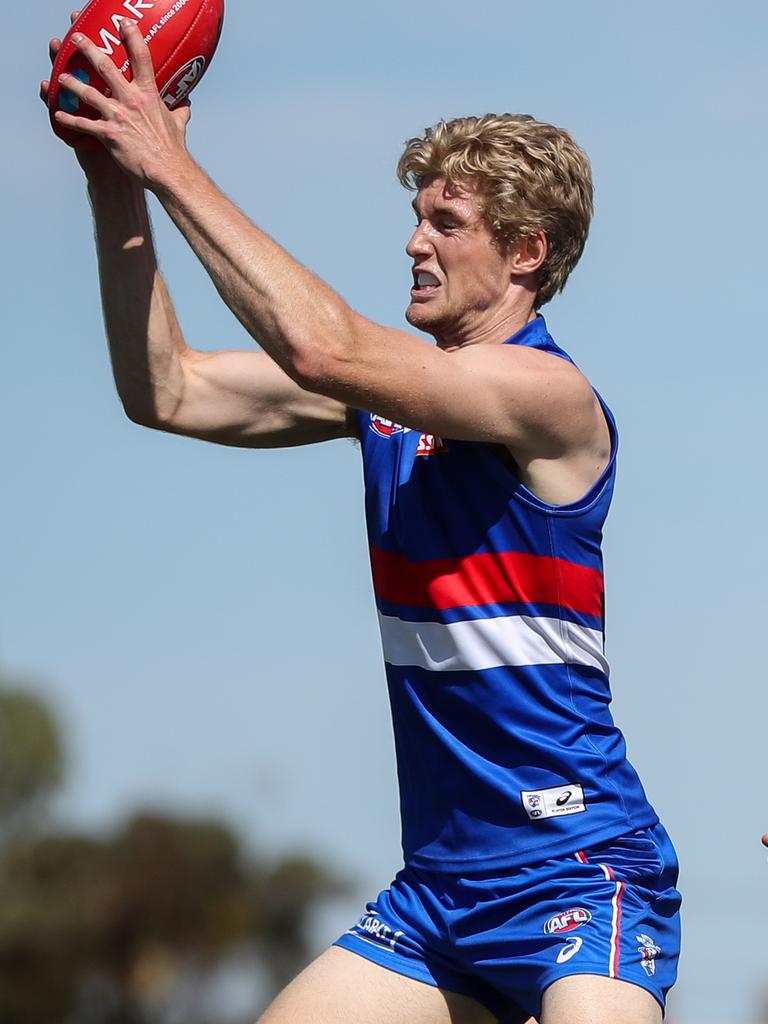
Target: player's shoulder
(549, 392)
(515, 366)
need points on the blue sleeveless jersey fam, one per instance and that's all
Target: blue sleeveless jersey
(491, 609)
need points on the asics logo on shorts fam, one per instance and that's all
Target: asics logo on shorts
(571, 948)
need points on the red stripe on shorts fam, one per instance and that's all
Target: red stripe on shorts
(615, 948)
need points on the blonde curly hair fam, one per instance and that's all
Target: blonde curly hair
(529, 175)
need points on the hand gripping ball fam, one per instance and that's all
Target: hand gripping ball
(182, 36)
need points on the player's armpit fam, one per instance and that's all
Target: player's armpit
(244, 399)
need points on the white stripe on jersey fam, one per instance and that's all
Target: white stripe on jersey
(477, 644)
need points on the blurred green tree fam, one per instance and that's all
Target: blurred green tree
(120, 928)
(31, 756)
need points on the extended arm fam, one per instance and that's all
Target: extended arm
(539, 406)
(238, 398)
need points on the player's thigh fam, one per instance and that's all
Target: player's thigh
(589, 999)
(343, 988)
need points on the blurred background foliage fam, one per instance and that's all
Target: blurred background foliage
(137, 926)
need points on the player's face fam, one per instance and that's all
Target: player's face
(461, 279)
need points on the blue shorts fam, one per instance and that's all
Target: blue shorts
(612, 910)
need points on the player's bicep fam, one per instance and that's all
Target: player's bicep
(504, 394)
(244, 399)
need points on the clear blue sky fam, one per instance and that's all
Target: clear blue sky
(203, 617)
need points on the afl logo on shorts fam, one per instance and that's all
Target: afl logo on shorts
(385, 428)
(567, 921)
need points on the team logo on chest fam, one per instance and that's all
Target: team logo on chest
(430, 444)
(386, 428)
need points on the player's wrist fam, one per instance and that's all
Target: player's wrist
(100, 169)
(116, 198)
(173, 176)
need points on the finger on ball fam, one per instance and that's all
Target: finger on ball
(138, 51)
(84, 92)
(103, 67)
(78, 124)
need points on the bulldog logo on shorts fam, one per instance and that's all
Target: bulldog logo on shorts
(648, 951)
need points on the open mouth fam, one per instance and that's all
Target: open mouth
(424, 283)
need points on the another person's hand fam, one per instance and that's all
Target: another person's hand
(144, 137)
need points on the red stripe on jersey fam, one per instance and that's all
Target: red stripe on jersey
(487, 579)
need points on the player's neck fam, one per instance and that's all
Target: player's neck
(491, 329)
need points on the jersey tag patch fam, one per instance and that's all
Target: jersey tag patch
(554, 802)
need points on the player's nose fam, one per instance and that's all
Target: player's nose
(419, 244)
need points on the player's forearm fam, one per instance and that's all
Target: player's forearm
(298, 319)
(145, 340)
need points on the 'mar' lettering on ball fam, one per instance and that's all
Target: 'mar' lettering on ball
(135, 9)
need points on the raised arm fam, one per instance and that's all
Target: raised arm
(232, 397)
(537, 405)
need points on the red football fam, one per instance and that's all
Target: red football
(182, 36)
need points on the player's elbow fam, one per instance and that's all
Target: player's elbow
(146, 413)
(312, 370)
(322, 361)
(152, 403)
(141, 415)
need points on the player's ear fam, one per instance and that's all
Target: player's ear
(529, 253)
